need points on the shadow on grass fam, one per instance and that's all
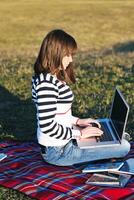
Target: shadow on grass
(17, 117)
(126, 47)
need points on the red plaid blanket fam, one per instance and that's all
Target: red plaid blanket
(25, 171)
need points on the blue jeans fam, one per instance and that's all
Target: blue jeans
(71, 154)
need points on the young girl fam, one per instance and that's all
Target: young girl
(53, 99)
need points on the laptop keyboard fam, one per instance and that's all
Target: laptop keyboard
(106, 133)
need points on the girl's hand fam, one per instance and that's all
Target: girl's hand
(87, 122)
(90, 132)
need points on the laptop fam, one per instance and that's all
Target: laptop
(113, 127)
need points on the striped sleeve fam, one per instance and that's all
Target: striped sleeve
(33, 91)
(47, 94)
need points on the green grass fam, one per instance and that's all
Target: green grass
(95, 24)
(97, 77)
(104, 32)
(9, 194)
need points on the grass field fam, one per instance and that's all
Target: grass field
(104, 31)
(95, 24)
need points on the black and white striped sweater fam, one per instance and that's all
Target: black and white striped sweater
(53, 100)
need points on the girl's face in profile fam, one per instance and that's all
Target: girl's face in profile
(66, 61)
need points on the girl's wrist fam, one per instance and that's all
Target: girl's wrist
(80, 133)
(77, 122)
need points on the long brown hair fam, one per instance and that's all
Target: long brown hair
(54, 47)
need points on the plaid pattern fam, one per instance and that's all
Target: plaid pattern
(25, 171)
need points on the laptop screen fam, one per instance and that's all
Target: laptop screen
(119, 113)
